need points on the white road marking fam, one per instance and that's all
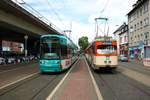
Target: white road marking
(18, 80)
(13, 69)
(94, 83)
(142, 78)
(60, 83)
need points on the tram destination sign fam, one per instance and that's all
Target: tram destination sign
(107, 43)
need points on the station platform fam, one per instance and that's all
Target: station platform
(77, 85)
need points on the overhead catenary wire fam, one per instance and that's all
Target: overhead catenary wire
(97, 26)
(36, 13)
(55, 13)
(105, 6)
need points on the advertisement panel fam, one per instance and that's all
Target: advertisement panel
(12, 46)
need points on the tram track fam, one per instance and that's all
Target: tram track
(28, 83)
(44, 87)
(14, 86)
(116, 86)
(137, 87)
(104, 83)
(36, 87)
(11, 67)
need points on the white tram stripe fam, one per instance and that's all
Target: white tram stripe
(94, 83)
(60, 83)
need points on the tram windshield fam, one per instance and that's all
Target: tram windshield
(49, 48)
(106, 49)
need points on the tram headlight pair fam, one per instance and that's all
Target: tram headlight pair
(107, 61)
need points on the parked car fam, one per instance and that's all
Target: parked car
(123, 58)
(2, 61)
(10, 60)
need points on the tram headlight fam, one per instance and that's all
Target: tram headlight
(41, 62)
(56, 62)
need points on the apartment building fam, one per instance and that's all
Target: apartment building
(123, 39)
(121, 35)
(116, 36)
(139, 28)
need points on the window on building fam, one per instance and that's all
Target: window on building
(141, 36)
(141, 24)
(131, 29)
(131, 18)
(120, 39)
(141, 11)
(125, 39)
(146, 21)
(126, 28)
(137, 13)
(134, 16)
(137, 26)
(138, 37)
(145, 7)
(146, 35)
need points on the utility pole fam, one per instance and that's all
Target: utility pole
(25, 45)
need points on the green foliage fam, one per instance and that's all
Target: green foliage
(83, 42)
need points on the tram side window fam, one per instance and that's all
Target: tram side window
(63, 51)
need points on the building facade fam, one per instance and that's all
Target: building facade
(123, 40)
(116, 36)
(139, 28)
(121, 35)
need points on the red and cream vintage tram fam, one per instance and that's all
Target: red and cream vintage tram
(102, 52)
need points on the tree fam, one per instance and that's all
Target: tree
(83, 42)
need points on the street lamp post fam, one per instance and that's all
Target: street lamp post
(26, 39)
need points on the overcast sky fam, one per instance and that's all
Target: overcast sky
(81, 13)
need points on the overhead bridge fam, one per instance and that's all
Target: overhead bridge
(16, 18)
(16, 23)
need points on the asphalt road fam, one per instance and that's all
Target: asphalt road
(114, 85)
(35, 87)
(9, 75)
(136, 67)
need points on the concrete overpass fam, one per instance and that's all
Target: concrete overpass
(16, 18)
(16, 22)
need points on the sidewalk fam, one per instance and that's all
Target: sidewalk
(77, 86)
(136, 66)
(136, 62)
